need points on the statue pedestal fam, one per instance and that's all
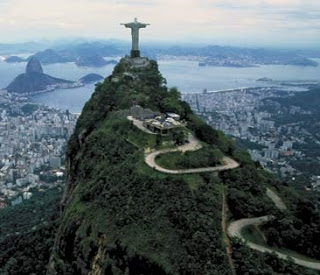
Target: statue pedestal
(135, 53)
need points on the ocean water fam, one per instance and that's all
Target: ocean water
(186, 75)
(71, 99)
(189, 77)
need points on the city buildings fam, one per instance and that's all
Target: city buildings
(32, 143)
(254, 118)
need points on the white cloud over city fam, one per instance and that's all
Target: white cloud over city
(277, 22)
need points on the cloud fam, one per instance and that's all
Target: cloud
(136, 2)
(216, 21)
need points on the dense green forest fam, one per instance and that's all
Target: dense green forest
(298, 228)
(27, 233)
(246, 189)
(152, 220)
(208, 156)
(250, 262)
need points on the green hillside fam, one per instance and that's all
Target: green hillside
(122, 217)
(119, 213)
(308, 101)
(27, 233)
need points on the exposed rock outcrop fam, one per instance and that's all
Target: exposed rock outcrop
(34, 66)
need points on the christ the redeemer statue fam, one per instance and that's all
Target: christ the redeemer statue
(135, 26)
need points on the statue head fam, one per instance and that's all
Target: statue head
(135, 19)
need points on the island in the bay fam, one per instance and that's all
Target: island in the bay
(91, 78)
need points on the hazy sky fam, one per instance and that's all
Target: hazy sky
(244, 22)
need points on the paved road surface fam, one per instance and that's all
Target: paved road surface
(235, 228)
(192, 145)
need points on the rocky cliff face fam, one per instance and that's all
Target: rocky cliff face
(34, 66)
(118, 215)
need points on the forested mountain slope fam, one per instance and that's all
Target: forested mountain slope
(121, 216)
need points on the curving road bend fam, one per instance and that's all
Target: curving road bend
(235, 228)
(193, 145)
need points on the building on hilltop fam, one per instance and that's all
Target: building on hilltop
(155, 121)
(163, 124)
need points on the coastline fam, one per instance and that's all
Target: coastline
(49, 89)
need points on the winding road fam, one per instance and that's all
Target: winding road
(193, 145)
(234, 228)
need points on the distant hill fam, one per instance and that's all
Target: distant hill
(308, 101)
(91, 78)
(83, 57)
(93, 61)
(50, 56)
(99, 48)
(215, 54)
(84, 54)
(34, 80)
(211, 55)
(14, 59)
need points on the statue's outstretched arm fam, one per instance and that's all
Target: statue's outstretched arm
(143, 25)
(127, 25)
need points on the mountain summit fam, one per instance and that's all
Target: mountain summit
(34, 66)
(119, 215)
(35, 81)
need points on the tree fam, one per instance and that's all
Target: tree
(179, 137)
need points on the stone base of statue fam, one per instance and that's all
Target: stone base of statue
(135, 53)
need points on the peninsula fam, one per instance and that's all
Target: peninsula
(35, 81)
